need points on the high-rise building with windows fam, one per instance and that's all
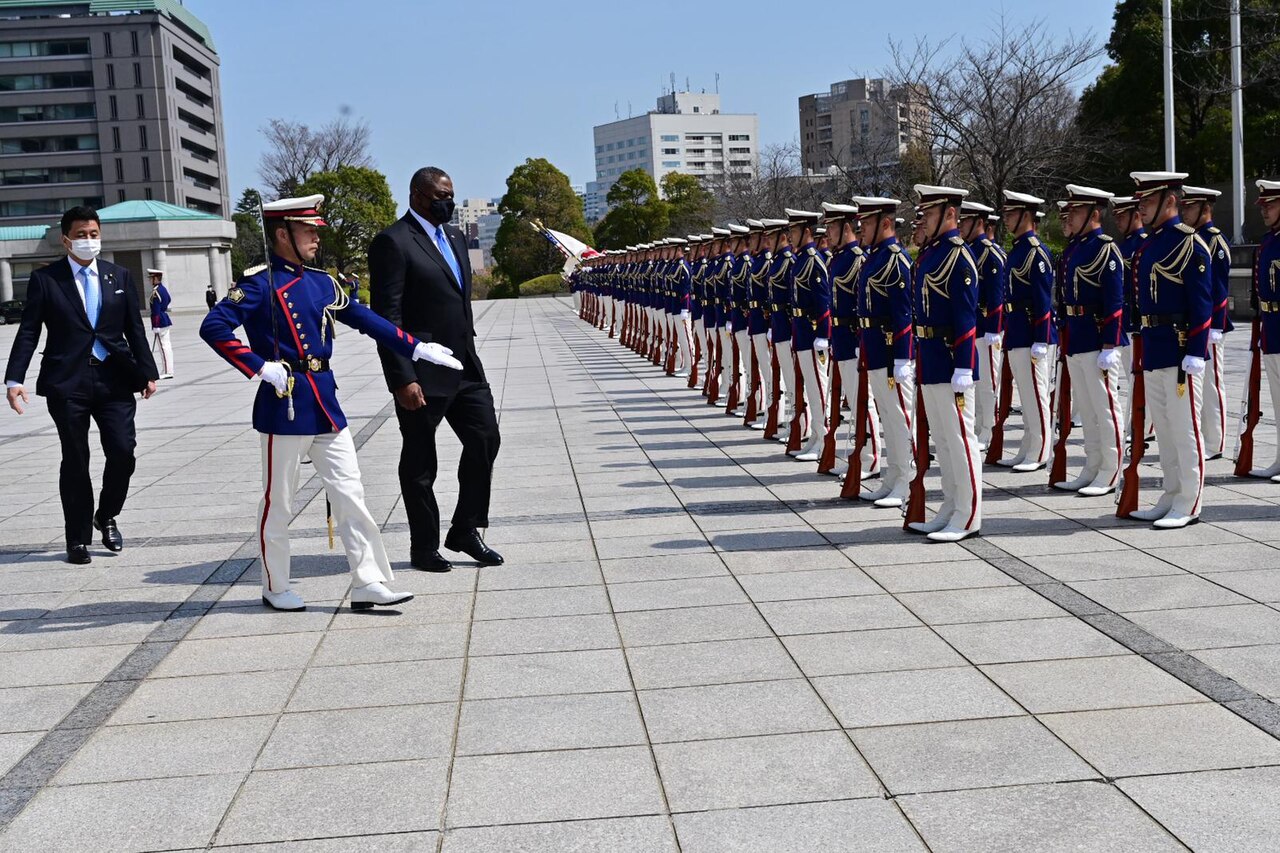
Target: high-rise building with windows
(862, 123)
(686, 133)
(104, 101)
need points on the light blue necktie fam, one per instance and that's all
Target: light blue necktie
(442, 243)
(92, 300)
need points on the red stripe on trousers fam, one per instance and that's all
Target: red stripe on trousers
(266, 508)
(968, 463)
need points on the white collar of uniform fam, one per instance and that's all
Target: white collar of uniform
(427, 226)
(76, 268)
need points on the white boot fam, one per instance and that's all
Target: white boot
(951, 534)
(288, 600)
(1160, 510)
(365, 597)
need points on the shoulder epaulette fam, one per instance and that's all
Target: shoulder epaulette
(1185, 228)
(896, 248)
(985, 241)
(1215, 230)
(1034, 241)
(253, 270)
(956, 240)
(1106, 238)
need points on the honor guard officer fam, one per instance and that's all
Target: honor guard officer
(944, 303)
(991, 273)
(288, 311)
(757, 322)
(1172, 278)
(884, 293)
(1093, 307)
(1029, 335)
(780, 323)
(1266, 287)
(161, 324)
(1132, 235)
(682, 288)
(737, 287)
(811, 329)
(1197, 211)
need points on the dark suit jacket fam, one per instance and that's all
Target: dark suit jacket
(411, 285)
(53, 301)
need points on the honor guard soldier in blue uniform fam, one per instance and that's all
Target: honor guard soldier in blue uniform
(991, 273)
(1092, 294)
(681, 290)
(161, 324)
(1172, 277)
(756, 357)
(780, 323)
(288, 312)
(1132, 234)
(1030, 335)
(886, 342)
(1266, 288)
(1197, 211)
(811, 329)
(737, 286)
(944, 305)
(841, 222)
(760, 313)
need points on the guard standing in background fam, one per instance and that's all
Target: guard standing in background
(160, 321)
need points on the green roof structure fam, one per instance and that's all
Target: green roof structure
(149, 211)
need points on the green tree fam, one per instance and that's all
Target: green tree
(357, 205)
(246, 248)
(690, 204)
(1123, 110)
(637, 213)
(536, 190)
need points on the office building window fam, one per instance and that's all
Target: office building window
(142, 107)
(46, 112)
(137, 74)
(142, 137)
(670, 150)
(671, 164)
(49, 144)
(111, 76)
(599, 149)
(631, 143)
(36, 82)
(670, 137)
(119, 169)
(146, 168)
(53, 175)
(741, 137)
(106, 44)
(60, 47)
(45, 206)
(739, 150)
(115, 139)
(739, 162)
(120, 196)
(115, 108)
(147, 192)
(134, 36)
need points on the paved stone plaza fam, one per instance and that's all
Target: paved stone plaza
(693, 644)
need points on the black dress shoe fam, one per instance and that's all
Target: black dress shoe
(111, 538)
(470, 543)
(432, 562)
(78, 554)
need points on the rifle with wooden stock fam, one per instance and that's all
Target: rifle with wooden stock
(795, 440)
(753, 408)
(1127, 495)
(771, 419)
(1004, 403)
(913, 510)
(1058, 467)
(851, 488)
(827, 459)
(1251, 405)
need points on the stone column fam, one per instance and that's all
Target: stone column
(216, 273)
(157, 258)
(6, 280)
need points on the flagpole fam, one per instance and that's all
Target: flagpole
(1169, 162)
(1237, 128)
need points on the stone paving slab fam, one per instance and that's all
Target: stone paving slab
(693, 644)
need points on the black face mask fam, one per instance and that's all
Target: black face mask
(441, 210)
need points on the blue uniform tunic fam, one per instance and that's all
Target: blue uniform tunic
(1029, 286)
(1266, 284)
(884, 305)
(844, 301)
(758, 303)
(1171, 277)
(991, 285)
(304, 303)
(780, 296)
(1093, 293)
(811, 298)
(1220, 269)
(944, 304)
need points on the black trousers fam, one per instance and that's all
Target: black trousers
(113, 409)
(470, 414)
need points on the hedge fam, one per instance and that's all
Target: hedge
(543, 284)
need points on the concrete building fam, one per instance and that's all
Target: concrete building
(104, 101)
(486, 235)
(686, 133)
(861, 123)
(193, 249)
(469, 210)
(594, 202)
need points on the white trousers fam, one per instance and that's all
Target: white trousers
(1271, 370)
(1126, 357)
(849, 377)
(951, 427)
(815, 395)
(1095, 394)
(897, 410)
(726, 360)
(1177, 420)
(685, 343)
(166, 349)
(764, 363)
(1031, 376)
(1213, 414)
(786, 378)
(334, 457)
(606, 312)
(987, 389)
(577, 301)
(744, 357)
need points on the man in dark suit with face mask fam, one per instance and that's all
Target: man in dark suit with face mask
(96, 358)
(420, 280)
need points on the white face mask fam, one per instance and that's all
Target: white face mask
(86, 250)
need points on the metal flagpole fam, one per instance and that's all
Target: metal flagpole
(1237, 128)
(1168, 86)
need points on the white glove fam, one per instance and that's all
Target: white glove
(276, 375)
(768, 336)
(1039, 350)
(821, 344)
(961, 380)
(1215, 336)
(728, 326)
(903, 371)
(684, 315)
(1108, 358)
(991, 338)
(435, 354)
(1192, 365)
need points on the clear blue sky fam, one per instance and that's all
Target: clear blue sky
(477, 86)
